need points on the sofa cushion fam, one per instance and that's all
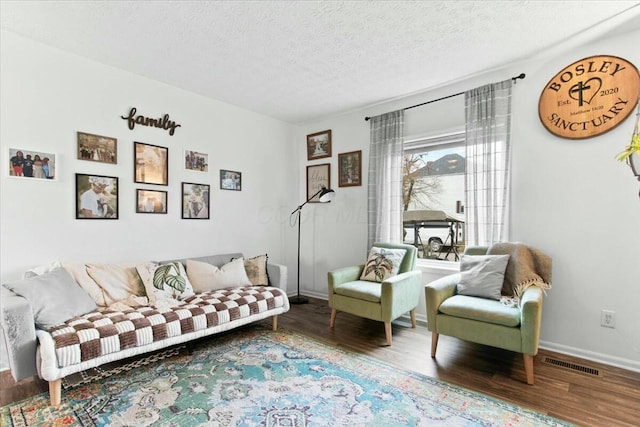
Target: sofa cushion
(382, 263)
(482, 275)
(117, 281)
(360, 289)
(101, 333)
(54, 297)
(481, 309)
(256, 269)
(208, 277)
(165, 281)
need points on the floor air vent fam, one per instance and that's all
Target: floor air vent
(572, 366)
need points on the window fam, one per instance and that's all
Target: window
(433, 195)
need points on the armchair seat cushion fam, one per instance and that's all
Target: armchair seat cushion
(481, 309)
(360, 289)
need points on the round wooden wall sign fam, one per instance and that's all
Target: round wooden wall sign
(589, 97)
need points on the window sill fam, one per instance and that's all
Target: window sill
(436, 265)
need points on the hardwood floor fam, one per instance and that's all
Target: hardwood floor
(611, 398)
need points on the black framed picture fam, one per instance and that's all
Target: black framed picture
(230, 180)
(151, 201)
(96, 197)
(195, 200)
(151, 164)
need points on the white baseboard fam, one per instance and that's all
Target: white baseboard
(619, 362)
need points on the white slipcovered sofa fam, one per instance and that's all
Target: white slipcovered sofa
(70, 317)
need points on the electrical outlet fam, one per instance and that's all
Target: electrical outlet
(608, 318)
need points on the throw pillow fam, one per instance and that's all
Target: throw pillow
(117, 281)
(208, 277)
(256, 269)
(382, 263)
(482, 275)
(54, 297)
(165, 281)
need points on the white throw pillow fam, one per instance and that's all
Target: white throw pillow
(165, 281)
(208, 277)
(382, 263)
(482, 275)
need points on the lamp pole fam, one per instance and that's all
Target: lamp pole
(325, 196)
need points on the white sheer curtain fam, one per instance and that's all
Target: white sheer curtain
(385, 178)
(487, 180)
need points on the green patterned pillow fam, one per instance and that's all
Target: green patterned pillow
(382, 263)
(165, 281)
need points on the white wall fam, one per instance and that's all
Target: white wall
(570, 198)
(48, 95)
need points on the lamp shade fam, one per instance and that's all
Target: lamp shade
(326, 195)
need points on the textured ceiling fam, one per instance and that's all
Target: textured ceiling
(303, 60)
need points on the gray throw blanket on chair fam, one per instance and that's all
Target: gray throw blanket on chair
(527, 267)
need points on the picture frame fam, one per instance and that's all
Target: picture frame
(151, 201)
(195, 200)
(195, 161)
(350, 169)
(230, 180)
(97, 148)
(319, 145)
(151, 164)
(318, 176)
(32, 164)
(96, 196)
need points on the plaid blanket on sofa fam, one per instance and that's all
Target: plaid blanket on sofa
(103, 332)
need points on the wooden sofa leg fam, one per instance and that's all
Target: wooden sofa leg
(528, 367)
(55, 392)
(387, 332)
(332, 320)
(434, 344)
(275, 323)
(412, 313)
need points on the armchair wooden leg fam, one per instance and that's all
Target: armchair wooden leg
(55, 392)
(332, 321)
(412, 313)
(434, 343)
(275, 323)
(528, 368)
(387, 331)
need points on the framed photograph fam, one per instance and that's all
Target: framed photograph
(318, 176)
(319, 145)
(195, 161)
(230, 180)
(96, 197)
(151, 164)
(32, 164)
(195, 201)
(97, 148)
(350, 169)
(151, 201)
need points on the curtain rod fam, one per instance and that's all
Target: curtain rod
(521, 76)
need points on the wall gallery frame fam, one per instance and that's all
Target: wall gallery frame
(350, 169)
(230, 180)
(195, 161)
(32, 164)
(96, 197)
(97, 148)
(318, 176)
(151, 164)
(319, 145)
(195, 201)
(151, 201)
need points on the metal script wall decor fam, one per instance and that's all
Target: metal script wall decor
(589, 97)
(162, 122)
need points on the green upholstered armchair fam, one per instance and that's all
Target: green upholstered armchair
(385, 301)
(487, 321)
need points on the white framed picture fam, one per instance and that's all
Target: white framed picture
(195, 161)
(32, 164)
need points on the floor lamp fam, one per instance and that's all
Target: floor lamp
(325, 195)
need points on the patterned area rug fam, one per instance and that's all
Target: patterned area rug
(256, 377)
